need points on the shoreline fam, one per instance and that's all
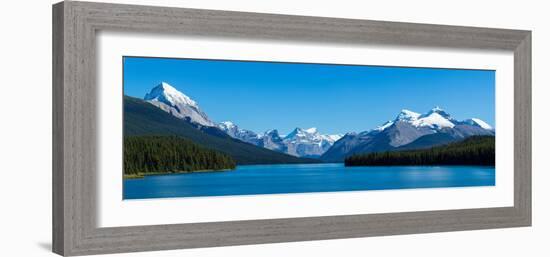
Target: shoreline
(143, 175)
(421, 165)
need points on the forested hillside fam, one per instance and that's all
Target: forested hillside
(144, 119)
(475, 150)
(170, 154)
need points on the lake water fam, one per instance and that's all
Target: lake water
(301, 178)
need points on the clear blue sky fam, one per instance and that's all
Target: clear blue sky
(334, 98)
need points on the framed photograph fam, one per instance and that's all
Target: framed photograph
(181, 128)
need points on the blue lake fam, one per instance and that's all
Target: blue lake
(302, 178)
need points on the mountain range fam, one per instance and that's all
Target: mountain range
(144, 119)
(300, 142)
(408, 130)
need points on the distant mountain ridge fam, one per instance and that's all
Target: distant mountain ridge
(409, 130)
(300, 142)
(144, 119)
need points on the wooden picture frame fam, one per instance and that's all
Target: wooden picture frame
(75, 25)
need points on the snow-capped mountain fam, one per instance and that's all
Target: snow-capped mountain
(409, 130)
(272, 140)
(242, 134)
(308, 142)
(300, 142)
(384, 126)
(436, 118)
(170, 100)
(478, 122)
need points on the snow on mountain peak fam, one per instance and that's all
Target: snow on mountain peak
(433, 120)
(384, 126)
(407, 115)
(439, 111)
(272, 132)
(478, 122)
(228, 124)
(234, 131)
(308, 142)
(229, 128)
(170, 100)
(166, 93)
(311, 135)
(297, 132)
(167, 86)
(436, 118)
(335, 137)
(311, 130)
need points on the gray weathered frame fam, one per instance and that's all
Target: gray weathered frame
(74, 128)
